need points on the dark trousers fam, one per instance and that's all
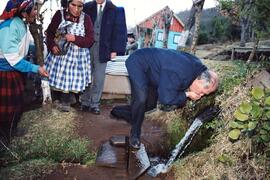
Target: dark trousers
(142, 100)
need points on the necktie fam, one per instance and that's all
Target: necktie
(99, 13)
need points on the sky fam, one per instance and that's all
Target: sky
(136, 10)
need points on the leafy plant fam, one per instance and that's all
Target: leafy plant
(252, 118)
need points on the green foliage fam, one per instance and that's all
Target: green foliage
(50, 139)
(222, 28)
(30, 169)
(203, 37)
(225, 159)
(235, 75)
(234, 134)
(176, 130)
(252, 118)
(226, 4)
(56, 146)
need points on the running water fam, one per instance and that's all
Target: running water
(178, 150)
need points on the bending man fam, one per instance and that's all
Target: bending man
(163, 75)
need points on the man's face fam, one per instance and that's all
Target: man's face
(99, 1)
(199, 88)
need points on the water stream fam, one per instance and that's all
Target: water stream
(178, 150)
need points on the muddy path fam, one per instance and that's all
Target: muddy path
(99, 128)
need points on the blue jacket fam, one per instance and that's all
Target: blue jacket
(14, 45)
(113, 36)
(170, 71)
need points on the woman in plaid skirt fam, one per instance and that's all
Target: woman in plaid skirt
(69, 37)
(15, 39)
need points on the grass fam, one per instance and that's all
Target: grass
(219, 158)
(50, 139)
(224, 159)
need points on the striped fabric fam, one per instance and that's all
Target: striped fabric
(70, 72)
(11, 95)
(117, 66)
(9, 8)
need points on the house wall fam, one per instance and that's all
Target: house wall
(176, 26)
(172, 39)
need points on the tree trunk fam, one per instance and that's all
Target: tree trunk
(253, 52)
(199, 7)
(167, 18)
(186, 34)
(36, 31)
(153, 34)
(244, 28)
(245, 21)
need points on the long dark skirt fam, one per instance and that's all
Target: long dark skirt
(11, 101)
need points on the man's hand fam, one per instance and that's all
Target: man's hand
(193, 96)
(113, 55)
(43, 72)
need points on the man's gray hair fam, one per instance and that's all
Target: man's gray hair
(207, 77)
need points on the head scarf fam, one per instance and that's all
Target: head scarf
(13, 7)
(82, 1)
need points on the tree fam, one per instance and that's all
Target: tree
(37, 33)
(250, 13)
(194, 19)
(260, 21)
(167, 16)
(198, 6)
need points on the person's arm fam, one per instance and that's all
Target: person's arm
(132, 46)
(87, 40)
(51, 30)
(119, 34)
(168, 89)
(14, 45)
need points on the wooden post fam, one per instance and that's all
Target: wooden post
(232, 55)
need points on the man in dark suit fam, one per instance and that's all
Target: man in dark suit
(110, 38)
(163, 75)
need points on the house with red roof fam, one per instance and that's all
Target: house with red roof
(150, 32)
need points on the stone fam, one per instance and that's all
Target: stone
(118, 141)
(262, 79)
(138, 163)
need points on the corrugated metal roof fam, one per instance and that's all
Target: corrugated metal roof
(117, 66)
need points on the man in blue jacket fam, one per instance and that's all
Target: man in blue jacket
(163, 75)
(110, 35)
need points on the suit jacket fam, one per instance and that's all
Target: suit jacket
(112, 38)
(170, 71)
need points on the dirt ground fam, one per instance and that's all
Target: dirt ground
(99, 128)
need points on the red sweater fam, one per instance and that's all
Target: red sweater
(81, 41)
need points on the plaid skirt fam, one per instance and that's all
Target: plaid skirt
(70, 72)
(11, 96)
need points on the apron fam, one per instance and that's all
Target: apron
(70, 72)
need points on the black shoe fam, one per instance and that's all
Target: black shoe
(134, 143)
(95, 110)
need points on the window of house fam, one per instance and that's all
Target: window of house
(176, 38)
(160, 36)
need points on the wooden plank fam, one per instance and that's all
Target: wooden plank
(116, 84)
(107, 96)
(247, 49)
